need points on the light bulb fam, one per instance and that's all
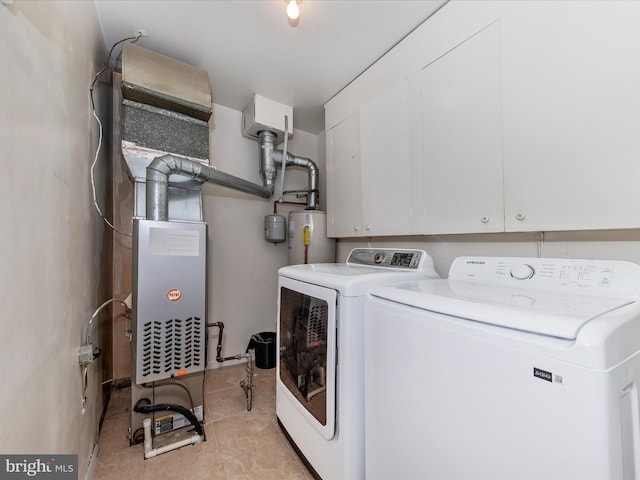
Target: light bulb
(292, 10)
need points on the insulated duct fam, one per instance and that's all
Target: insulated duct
(159, 170)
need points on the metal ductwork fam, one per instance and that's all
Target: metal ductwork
(159, 170)
(270, 157)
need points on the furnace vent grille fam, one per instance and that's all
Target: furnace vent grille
(170, 347)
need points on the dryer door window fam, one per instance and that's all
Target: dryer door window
(307, 345)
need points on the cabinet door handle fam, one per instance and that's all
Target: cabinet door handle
(356, 228)
(520, 216)
(484, 219)
(367, 228)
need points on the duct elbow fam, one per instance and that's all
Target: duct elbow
(157, 186)
(161, 167)
(312, 174)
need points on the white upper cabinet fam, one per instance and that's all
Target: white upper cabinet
(462, 138)
(344, 193)
(386, 166)
(493, 116)
(571, 94)
(368, 169)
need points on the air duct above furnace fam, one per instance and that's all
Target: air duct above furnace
(166, 107)
(153, 79)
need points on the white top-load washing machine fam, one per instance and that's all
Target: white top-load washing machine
(510, 368)
(319, 388)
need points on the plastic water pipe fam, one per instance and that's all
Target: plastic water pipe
(150, 452)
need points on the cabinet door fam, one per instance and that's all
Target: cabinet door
(386, 176)
(462, 138)
(571, 79)
(344, 193)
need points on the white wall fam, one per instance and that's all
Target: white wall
(51, 273)
(242, 266)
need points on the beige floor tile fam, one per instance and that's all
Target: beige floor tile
(168, 466)
(291, 450)
(264, 397)
(221, 404)
(205, 461)
(115, 433)
(260, 375)
(249, 432)
(240, 444)
(263, 466)
(120, 465)
(224, 377)
(206, 472)
(119, 403)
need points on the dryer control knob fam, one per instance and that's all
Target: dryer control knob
(378, 258)
(522, 272)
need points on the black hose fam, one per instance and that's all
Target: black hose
(144, 406)
(174, 384)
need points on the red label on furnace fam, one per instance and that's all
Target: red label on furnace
(174, 294)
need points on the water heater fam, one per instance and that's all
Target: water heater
(308, 241)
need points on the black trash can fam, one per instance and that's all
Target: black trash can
(264, 346)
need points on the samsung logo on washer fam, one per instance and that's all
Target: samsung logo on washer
(543, 374)
(475, 262)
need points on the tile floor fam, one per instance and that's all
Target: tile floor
(240, 444)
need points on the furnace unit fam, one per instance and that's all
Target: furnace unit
(169, 267)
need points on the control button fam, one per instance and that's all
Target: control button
(378, 258)
(522, 272)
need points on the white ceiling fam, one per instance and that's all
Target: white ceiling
(248, 46)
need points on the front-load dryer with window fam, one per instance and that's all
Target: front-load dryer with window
(510, 368)
(319, 388)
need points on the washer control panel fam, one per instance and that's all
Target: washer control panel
(386, 258)
(606, 276)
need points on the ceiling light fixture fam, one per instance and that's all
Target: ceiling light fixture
(293, 11)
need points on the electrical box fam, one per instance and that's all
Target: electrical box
(264, 114)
